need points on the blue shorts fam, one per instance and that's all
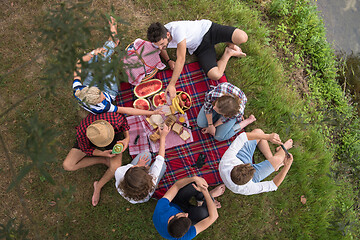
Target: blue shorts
(263, 169)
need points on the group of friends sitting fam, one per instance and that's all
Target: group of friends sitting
(221, 117)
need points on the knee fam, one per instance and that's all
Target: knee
(68, 166)
(201, 123)
(220, 138)
(115, 162)
(213, 74)
(239, 36)
(258, 130)
(201, 120)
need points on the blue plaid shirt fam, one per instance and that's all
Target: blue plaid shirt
(220, 90)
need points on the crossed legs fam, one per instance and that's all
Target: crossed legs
(76, 159)
(232, 50)
(276, 160)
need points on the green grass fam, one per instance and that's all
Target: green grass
(272, 98)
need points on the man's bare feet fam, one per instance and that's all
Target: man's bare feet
(235, 51)
(218, 191)
(288, 144)
(247, 121)
(96, 195)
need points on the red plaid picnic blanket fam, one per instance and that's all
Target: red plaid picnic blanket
(180, 159)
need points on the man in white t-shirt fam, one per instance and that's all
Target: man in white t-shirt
(238, 172)
(199, 37)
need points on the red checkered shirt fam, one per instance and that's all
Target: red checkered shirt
(220, 90)
(117, 120)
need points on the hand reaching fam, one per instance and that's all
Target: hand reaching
(171, 90)
(143, 160)
(164, 130)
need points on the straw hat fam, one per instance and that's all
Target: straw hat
(100, 133)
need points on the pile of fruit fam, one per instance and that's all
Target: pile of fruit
(181, 102)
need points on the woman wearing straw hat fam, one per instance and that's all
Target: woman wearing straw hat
(96, 137)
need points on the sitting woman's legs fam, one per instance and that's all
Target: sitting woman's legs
(225, 131)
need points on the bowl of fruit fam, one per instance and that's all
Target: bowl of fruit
(182, 101)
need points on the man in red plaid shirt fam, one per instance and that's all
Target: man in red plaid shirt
(96, 136)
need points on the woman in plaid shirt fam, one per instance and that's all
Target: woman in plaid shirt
(222, 115)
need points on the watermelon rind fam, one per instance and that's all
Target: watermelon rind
(141, 100)
(151, 83)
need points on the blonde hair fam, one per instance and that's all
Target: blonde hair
(89, 95)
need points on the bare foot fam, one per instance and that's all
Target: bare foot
(217, 204)
(235, 51)
(247, 121)
(288, 144)
(96, 195)
(218, 191)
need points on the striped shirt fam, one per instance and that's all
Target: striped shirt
(105, 106)
(220, 90)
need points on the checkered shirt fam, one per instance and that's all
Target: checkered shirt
(117, 120)
(220, 90)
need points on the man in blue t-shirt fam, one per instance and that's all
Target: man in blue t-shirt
(175, 218)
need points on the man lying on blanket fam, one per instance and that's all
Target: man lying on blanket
(199, 37)
(176, 218)
(238, 172)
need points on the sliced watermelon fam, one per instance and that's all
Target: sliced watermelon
(159, 99)
(148, 88)
(141, 104)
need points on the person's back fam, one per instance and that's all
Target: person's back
(176, 218)
(241, 175)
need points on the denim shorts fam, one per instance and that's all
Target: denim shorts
(263, 169)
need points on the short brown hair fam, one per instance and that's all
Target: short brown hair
(179, 226)
(137, 183)
(156, 32)
(242, 173)
(228, 105)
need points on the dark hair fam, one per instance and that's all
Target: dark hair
(228, 105)
(156, 32)
(242, 173)
(137, 183)
(179, 226)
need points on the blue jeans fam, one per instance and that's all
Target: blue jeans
(223, 132)
(113, 88)
(263, 169)
(137, 158)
